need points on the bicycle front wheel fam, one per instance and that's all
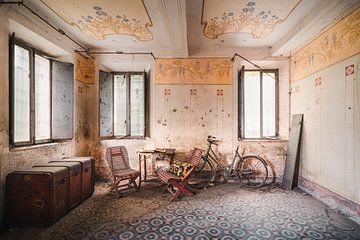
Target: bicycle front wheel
(252, 171)
(203, 175)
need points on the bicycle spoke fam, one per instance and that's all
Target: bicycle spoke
(252, 171)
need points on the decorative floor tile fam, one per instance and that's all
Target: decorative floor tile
(222, 212)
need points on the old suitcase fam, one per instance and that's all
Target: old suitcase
(88, 174)
(36, 197)
(75, 179)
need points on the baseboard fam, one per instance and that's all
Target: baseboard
(333, 200)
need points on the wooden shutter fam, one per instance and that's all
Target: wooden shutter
(62, 100)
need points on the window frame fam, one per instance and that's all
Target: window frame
(32, 95)
(128, 105)
(39, 53)
(241, 103)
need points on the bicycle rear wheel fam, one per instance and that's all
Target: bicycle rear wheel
(203, 175)
(252, 171)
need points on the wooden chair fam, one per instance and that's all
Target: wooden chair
(177, 185)
(118, 161)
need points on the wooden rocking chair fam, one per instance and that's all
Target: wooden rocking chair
(118, 161)
(177, 185)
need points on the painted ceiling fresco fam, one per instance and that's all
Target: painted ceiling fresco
(99, 18)
(257, 17)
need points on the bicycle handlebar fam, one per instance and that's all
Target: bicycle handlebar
(212, 140)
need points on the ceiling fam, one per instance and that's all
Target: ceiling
(256, 29)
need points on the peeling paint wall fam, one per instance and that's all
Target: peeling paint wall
(330, 151)
(273, 151)
(186, 114)
(25, 157)
(326, 89)
(181, 117)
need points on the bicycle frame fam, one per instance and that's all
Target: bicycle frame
(241, 166)
(211, 157)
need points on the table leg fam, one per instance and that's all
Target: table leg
(140, 169)
(145, 170)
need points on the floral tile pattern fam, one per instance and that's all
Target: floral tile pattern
(222, 212)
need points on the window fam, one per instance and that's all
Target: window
(35, 101)
(258, 103)
(122, 104)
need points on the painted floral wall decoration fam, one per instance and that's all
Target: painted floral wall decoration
(258, 18)
(334, 45)
(100, 18)
(193, 71)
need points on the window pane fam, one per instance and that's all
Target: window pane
(120, 105)
(106, 108)
(62, 87)
(252, 104)
(137, 103)
(42, 98)
(21, 94)
(269, 104)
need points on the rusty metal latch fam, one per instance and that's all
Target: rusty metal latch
(38, 203)
(27, 178)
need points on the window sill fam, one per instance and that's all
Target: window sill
(262, 140)
(123, 138)
(39, 145)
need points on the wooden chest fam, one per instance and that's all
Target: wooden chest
(88, 173)
(75, 179)
(36, 197)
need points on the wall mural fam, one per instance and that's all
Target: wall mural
(334, 45)
(257, 17)
(193, 71)
(99, 18)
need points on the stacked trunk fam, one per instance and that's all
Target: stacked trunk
(39, 196)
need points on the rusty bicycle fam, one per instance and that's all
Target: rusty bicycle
(250, 170)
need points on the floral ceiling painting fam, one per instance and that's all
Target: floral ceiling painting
(257, 17)
(100, 18)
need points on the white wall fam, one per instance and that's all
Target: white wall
(330, 146)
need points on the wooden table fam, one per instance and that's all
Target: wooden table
(145, 154)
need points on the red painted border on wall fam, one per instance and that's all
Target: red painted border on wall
(327, 196)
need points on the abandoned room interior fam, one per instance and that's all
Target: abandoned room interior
(180, 119)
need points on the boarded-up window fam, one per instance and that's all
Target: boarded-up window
(106, 106)
(62, 100)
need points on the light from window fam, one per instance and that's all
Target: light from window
(21, 94)
(269, 103)
(252, 104)
(122, 104)
(120, 115)
(42, 98)
(259, 106)
(137, 104)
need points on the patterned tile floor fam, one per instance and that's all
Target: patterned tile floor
(225, 211)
